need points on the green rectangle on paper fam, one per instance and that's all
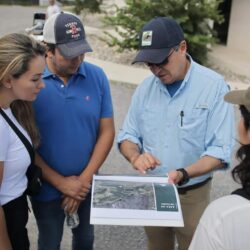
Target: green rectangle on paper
(165, 198)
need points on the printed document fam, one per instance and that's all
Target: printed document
(135, 201)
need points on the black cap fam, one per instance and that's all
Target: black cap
(157, 38)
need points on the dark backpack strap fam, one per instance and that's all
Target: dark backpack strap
(24, 140)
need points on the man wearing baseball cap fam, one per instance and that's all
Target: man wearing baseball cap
(74, 115)
(177, 124)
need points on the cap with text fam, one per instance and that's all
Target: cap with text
(67, 32)
(157, 38)
(240, 97)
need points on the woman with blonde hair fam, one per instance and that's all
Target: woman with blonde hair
(22, 61)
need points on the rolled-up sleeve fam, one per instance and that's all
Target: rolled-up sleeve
(220, 135)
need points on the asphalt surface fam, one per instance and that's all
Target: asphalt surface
(16, 19)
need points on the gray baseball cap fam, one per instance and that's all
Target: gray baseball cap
(67, 32)
(240, 97)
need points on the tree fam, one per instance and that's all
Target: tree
(93, 6)
(194, 16)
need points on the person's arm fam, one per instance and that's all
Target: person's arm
(4, 238)
(204, 165)
(69, 204)
(101, 150)
(102, 147)
(70, 186)
(130, 139)
(140, 161)
(219, 140)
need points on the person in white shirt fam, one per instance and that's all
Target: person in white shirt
(53, 8)
(22, 61)
(226, 221)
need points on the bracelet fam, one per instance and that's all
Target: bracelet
(185, 177)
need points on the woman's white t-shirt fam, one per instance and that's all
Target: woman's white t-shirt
(15, 158)
(225, 225)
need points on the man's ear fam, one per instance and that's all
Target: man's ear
(183, 47)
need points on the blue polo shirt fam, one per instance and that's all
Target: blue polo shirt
(68, 118)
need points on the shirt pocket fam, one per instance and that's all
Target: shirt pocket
(149, 126)
(193, 129)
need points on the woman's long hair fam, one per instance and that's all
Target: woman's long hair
(16, 52)
(241, 173)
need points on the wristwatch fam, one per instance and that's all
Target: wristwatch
(185, 177)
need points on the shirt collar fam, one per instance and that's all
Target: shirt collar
(191, 66)
(185, 80)
(187, 76)
(81, 71)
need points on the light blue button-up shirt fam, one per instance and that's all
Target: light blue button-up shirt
(179, 130)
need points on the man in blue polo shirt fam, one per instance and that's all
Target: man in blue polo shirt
(75, 117)
(177, 124)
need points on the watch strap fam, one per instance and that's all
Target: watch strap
(185, 176)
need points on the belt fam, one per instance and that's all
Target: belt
(183, 190)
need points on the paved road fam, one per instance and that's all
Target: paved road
(16, 18)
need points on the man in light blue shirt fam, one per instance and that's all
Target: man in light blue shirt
(177, 124)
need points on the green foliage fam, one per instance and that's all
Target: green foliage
(192, 15)
(92, 6)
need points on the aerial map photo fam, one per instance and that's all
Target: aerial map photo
(122, 194)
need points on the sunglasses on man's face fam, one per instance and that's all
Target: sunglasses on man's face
(164, 62)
